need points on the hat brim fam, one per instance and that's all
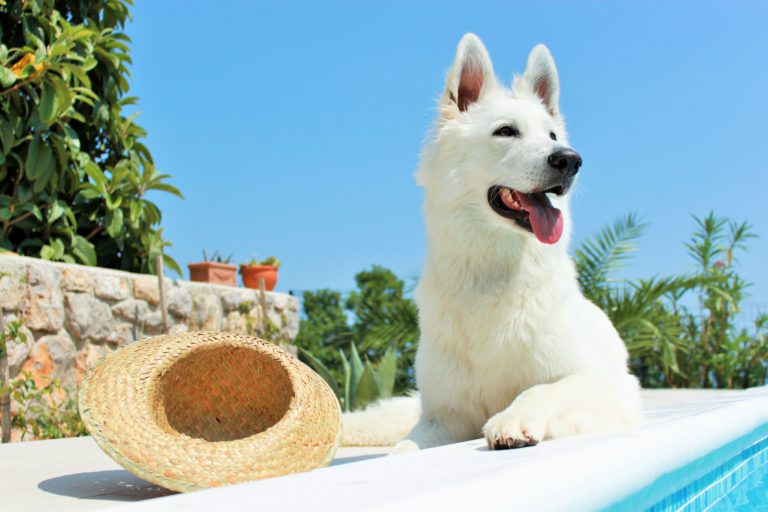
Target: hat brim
(202, 409)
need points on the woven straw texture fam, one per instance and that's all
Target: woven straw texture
(204, 409)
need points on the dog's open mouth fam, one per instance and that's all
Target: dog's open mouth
(532, 211)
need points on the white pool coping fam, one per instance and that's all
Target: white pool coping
(584, 473)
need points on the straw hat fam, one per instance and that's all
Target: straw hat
(203, 409)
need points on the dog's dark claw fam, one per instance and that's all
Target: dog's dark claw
(508, 443)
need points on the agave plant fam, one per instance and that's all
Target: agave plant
(364, 382)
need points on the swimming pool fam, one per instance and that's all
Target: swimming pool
(733, 477)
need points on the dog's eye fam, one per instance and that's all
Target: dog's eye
(507, 131)
(552, 136)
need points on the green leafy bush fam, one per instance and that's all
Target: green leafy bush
(11, 331)
(47, 412)
(74, 174)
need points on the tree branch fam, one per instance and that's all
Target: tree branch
(95, 231)
(17, 85)
(7, 224)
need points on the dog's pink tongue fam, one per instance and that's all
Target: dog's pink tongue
(546, 220)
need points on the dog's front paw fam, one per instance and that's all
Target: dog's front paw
(512, 429)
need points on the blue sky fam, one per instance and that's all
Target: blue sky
(293, 128)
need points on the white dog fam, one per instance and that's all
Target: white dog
(509, 346)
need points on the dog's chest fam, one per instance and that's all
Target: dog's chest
(486, 350)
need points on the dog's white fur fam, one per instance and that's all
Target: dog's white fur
(509, 346)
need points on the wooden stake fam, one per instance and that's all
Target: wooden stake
(263, 302)
(5, 380)
(161, 285)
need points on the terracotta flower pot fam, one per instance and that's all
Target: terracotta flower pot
(213, 272)
(252, 273)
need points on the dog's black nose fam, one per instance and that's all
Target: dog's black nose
(567, 161)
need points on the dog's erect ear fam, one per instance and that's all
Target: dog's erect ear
(541, 76)
(471, 74)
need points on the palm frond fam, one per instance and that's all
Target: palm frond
(739, 234)
(396, 324)
(606, 252)
(641, 314)
(707, 242)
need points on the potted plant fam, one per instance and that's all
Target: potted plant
(216, 270)
(265, 269)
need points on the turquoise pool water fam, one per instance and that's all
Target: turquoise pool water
(731, 478)
(752, 494)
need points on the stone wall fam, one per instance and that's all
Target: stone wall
(72, 315)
